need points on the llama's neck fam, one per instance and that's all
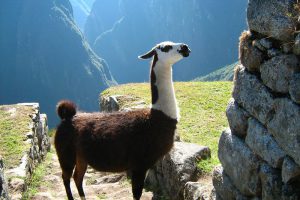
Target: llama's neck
(162, 89)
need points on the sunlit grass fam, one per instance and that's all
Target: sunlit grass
(202, 108)
(14, 124)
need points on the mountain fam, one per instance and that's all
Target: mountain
(222, 74)
(81, 10)
(44, 57)
(120, 30)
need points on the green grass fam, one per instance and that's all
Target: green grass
(13, 126)
(202, 108)
(36, 179)
(51, 132)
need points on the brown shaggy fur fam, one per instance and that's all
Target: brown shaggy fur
(250, 56)
(113, 142)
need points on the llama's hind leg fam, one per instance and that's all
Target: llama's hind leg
(79, 172)
(138, 177)
(66, 176)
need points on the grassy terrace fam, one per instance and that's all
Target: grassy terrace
(202, 108)
(14, 123)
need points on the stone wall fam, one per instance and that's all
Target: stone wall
(175, 176)
(39, 144)
(260, 153)
(3, 182)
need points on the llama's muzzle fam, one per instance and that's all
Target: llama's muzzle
(184, 50)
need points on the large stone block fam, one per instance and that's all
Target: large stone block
(240, 163)
(285, 127)
(237, 118)
(196, 191)
(296, 46)
(252, 95)
(290, 170)
(271, 182)
(294, 88)
(177, 168)
(250, 56)
(291, 191)
(277, 72)
(273, 18)
(3, 182)
(263, 144)
(224, 187)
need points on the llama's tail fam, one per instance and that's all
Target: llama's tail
(66, 109)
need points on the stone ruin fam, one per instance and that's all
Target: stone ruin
(13, 181)
(260, 153)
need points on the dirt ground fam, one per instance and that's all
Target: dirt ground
(96, 185)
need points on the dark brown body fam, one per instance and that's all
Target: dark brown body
(122, 141)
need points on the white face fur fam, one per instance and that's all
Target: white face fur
(168, 52)
(172, 54)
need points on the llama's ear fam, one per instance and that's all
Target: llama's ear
(148, 54)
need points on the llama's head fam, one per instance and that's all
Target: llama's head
(168, 52)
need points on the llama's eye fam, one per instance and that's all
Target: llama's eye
(166, 48)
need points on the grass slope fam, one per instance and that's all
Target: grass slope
(202, 108)
(222, 74)
(14, 124)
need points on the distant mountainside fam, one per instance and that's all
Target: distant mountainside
(81, 10)
(222, 74)
(44, 58)
(120, 30)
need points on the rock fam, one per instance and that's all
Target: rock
(109, 104)
(16, 185)
(112, 178)
(266, 43)
(272, 18)
(250, 56)
(263, 144)
(258, 45)
(195, 191)
(3, 182)
(285, 127)
(277, 72)
(291, 192)
(290, 170)
(296, 47)
(177, 168)
(29, 135)
(224, 187)
(121, 103)
(270, 181)
(273, 52)
(239, 163)
(294, 88)
(237, 118)
(287, 47)
(252, 95)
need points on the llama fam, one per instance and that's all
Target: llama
(122, 141)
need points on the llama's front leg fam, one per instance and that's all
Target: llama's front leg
(138, 177)
(79, 172)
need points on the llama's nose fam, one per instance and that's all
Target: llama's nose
(184, 50)
(185, 47)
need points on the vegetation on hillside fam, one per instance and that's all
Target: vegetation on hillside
(202, 108)
(222, 74)
(14, 124)
(36, 179)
